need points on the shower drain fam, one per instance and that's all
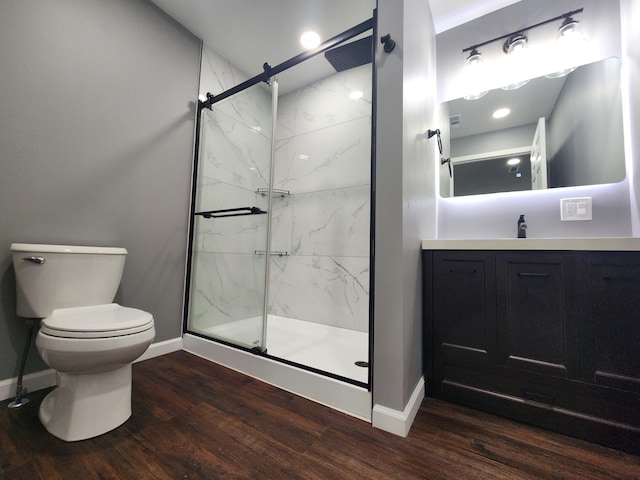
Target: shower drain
(360, 363)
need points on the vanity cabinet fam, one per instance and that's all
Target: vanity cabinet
(550, 338)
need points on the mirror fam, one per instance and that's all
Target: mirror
(560, 132)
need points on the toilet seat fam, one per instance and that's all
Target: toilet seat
(96, 321)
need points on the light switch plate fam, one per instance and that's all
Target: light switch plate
(572, 209)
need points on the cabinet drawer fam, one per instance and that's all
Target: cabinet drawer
(570, 397)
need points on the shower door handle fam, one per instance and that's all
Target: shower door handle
(231, 212)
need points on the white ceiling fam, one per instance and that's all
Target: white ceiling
(251, 32)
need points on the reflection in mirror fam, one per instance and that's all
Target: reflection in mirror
(565, 131)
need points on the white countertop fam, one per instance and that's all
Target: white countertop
(603, 243)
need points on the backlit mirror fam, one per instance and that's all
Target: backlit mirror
(559, 132)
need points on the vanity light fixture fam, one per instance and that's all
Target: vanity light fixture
(516, 42)
(474, 68)
(569, 40)
(516, 45)
(569, 29)
(517, 48)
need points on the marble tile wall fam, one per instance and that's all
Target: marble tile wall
(323, 159)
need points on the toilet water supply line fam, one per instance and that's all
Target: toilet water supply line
(19, 400)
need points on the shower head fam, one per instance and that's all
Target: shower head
(351, 54)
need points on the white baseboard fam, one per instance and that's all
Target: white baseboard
(395, 421)
(32, 382)
(161, 348)
(47, 378)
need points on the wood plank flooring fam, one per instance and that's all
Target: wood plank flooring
(193, 419)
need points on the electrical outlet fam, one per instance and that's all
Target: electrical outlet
(572, 209)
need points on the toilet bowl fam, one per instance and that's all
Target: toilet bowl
(89, 342)
(93, 367)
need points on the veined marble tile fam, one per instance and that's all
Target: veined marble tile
(286, 117)
(242, 235)
(328, 290)
(224, 288)
(233, 153)
(217, 74)
(252, 107)
(333, 157)
(332, 222)
(327, 102)
(282, 224)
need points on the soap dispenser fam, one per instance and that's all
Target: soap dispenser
(522, 227)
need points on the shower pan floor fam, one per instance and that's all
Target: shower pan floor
(324, 347)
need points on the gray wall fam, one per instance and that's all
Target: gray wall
(96, 138)
(494, 141)
(630, 13)
(585, 142)
(405, 196)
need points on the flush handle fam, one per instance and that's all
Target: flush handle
(35, 259)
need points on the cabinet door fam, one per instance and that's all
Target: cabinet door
(537, 321)
(465, 304)
(610, 320)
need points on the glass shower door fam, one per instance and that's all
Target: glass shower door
(230, 237)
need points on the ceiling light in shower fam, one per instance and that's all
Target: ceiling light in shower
(309, 39)
(356, 95)
(501, 113)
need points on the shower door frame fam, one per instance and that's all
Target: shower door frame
(269, 73)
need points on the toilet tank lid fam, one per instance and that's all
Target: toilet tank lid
(43, 248)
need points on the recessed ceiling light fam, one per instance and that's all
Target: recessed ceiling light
(501, 112)
(310, 40)
(513, 161)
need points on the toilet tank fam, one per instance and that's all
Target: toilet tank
(63, 276)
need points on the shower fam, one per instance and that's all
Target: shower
(280, 242)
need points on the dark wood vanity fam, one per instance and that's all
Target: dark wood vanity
(547, 337)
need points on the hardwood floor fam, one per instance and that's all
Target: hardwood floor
(193, 419)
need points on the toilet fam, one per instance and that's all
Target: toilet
(89, 341)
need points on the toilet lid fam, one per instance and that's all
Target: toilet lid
(97, 321)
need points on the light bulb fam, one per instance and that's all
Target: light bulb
(309, 40)
(475, 73)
